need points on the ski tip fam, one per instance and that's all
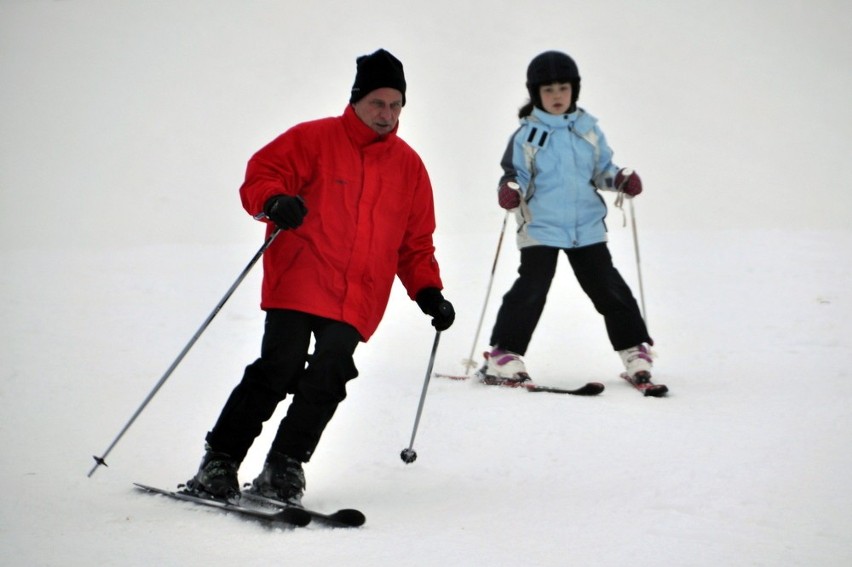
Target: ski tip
(656, 391)
(349, 517)
(591, 389)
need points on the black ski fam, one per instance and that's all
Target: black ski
(643, 383)
(589, 389)
(345, 518)
(289, 516)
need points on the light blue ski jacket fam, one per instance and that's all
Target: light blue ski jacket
(560, 162)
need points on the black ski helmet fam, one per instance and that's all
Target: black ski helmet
(552, 67)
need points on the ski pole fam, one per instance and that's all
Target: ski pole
(469, 363)
(618, 203)
(638, 262)
(102, 459)
(408, 455)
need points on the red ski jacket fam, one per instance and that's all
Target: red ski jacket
(370, 216)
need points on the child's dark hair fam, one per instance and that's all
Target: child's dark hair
(526, 109)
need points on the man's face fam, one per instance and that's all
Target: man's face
(380, 109)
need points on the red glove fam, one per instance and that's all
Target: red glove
(628, 181)
(509, 195)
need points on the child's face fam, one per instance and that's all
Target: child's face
(556, 97)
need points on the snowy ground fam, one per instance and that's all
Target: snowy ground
(746, 463)
(124, 132)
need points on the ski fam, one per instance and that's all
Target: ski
(645, 386)
(588, 389)
(344, 518)
(289, 516)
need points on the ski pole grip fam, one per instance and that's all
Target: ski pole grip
(625, 175)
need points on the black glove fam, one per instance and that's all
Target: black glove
(432, 303)
(285, 211)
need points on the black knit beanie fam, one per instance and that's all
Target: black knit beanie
(552, 67)
(375, 71)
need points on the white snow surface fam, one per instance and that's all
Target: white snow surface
(124, 132)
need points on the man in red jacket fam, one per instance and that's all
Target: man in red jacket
(355, 206)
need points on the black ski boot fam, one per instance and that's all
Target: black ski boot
(217, 476)
(282, 478)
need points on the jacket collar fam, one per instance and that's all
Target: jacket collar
(578, 120)
(361, 134)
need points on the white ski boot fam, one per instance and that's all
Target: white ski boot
(503, 367)
(637, 362)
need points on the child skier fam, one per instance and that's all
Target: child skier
(554, 165)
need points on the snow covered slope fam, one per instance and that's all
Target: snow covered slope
(124, 132)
